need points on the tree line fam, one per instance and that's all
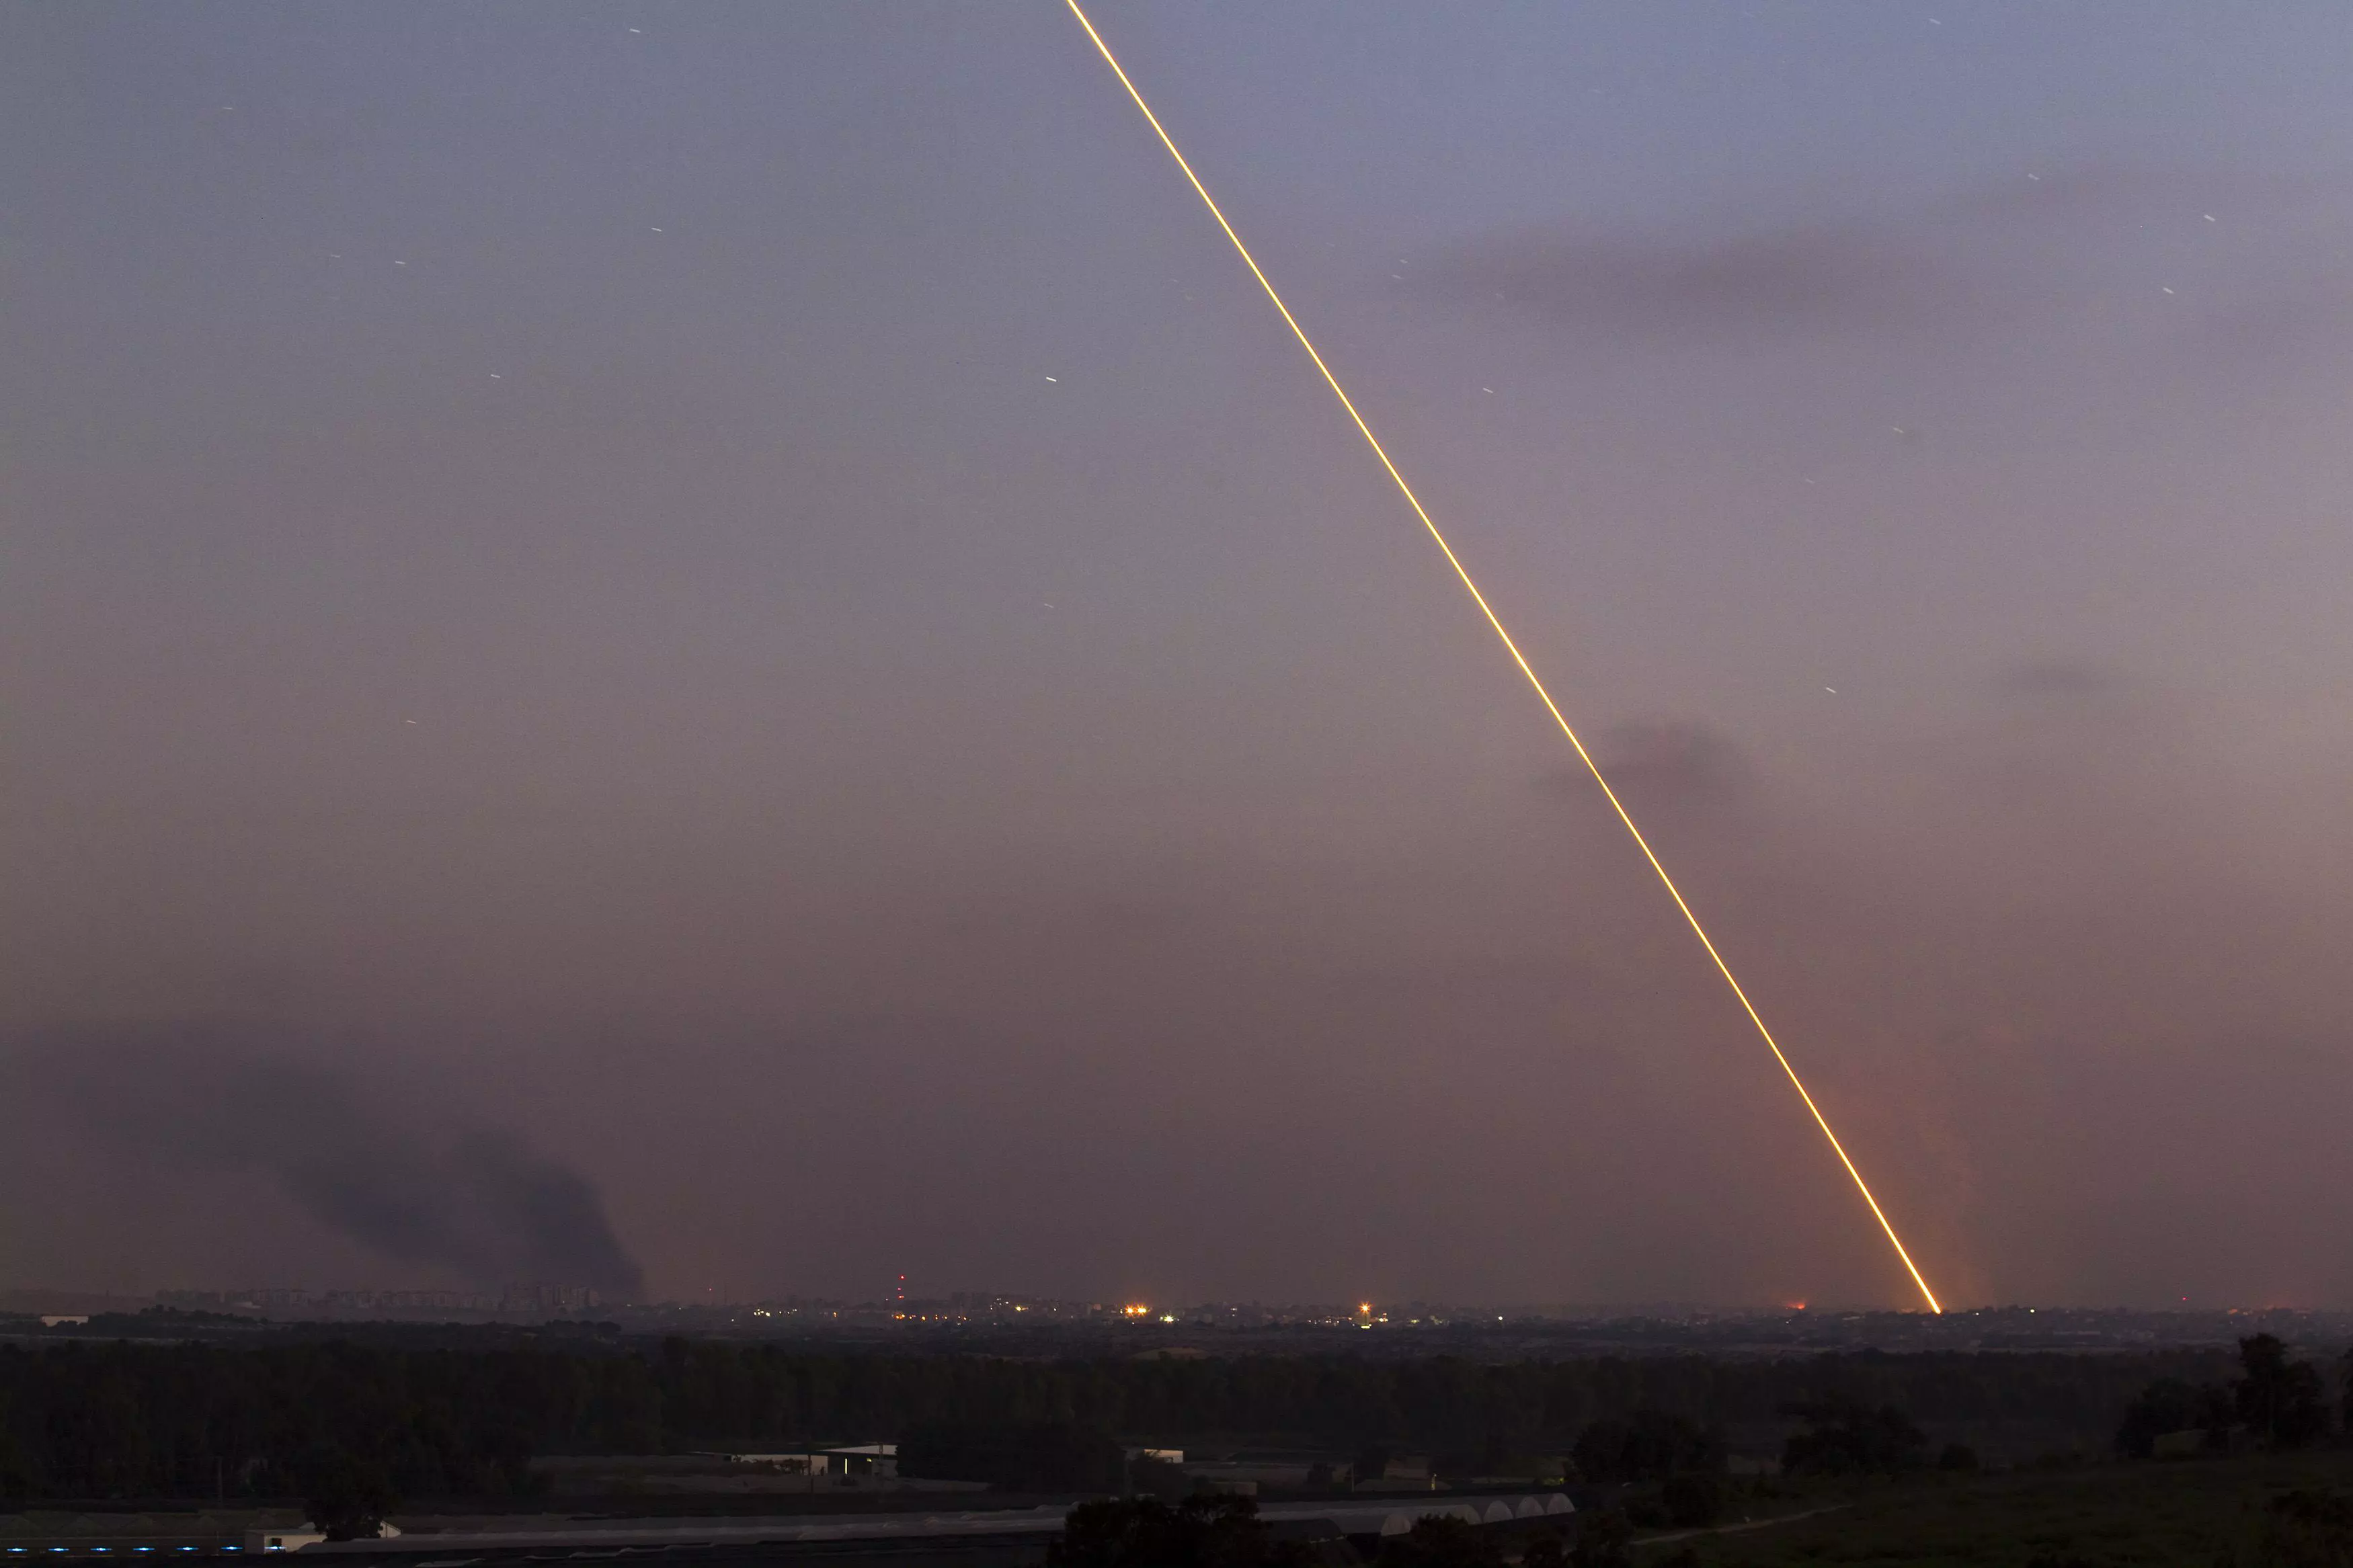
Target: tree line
(197, 1420)
(2275, 1402)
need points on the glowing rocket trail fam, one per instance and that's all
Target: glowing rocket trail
(1517, 657)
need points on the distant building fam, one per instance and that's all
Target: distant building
(304, 1534)
(283, 1540)
(879, 1460)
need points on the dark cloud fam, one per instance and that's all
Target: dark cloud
(1798, 280)
(1928, 264)
(1677, 771)
(477, 1201)
(2086, 238)
(1676, 765)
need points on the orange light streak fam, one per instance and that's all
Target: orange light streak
(1512, 648)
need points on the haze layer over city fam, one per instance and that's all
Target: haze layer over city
(720, 652)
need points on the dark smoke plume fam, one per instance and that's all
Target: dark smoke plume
(476, 1200)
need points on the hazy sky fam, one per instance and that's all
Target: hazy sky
(743, 603)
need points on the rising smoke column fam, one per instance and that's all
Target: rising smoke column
(478, 1202)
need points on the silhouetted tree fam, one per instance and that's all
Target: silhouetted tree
(2169, 1405)
(1692, 1499)
(16, 1466)
(1372, 1463)
(1646, 1446)
(346, 1497)
(2284, 1403)
(1845, 1436)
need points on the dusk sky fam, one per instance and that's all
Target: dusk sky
(742, 609)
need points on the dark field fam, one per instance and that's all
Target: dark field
(1933, 1458)
(2202, 1512)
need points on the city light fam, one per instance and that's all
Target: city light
(1512, 648)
